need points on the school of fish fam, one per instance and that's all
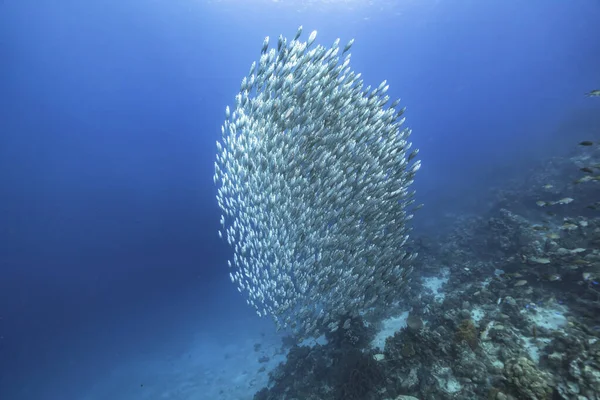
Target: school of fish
(313, 175)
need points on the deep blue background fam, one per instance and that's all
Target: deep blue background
(108, 119)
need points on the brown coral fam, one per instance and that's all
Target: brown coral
(527, 380)
(467, 332)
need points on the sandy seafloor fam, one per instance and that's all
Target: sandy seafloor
(209, 369)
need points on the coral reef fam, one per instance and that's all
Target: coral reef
(506, 307)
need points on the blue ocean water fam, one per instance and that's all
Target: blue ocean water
(113, 281)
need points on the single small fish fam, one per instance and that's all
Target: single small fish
(593, 93)
(581, 261)
(587, 169)
(540, 260)
(265, 45)
(554, 277)
(594, 206)
(586, 143)
(548, 186)
(583, 179)
(418, 207)
(413, 154)
(569, 227)
(566, 200)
